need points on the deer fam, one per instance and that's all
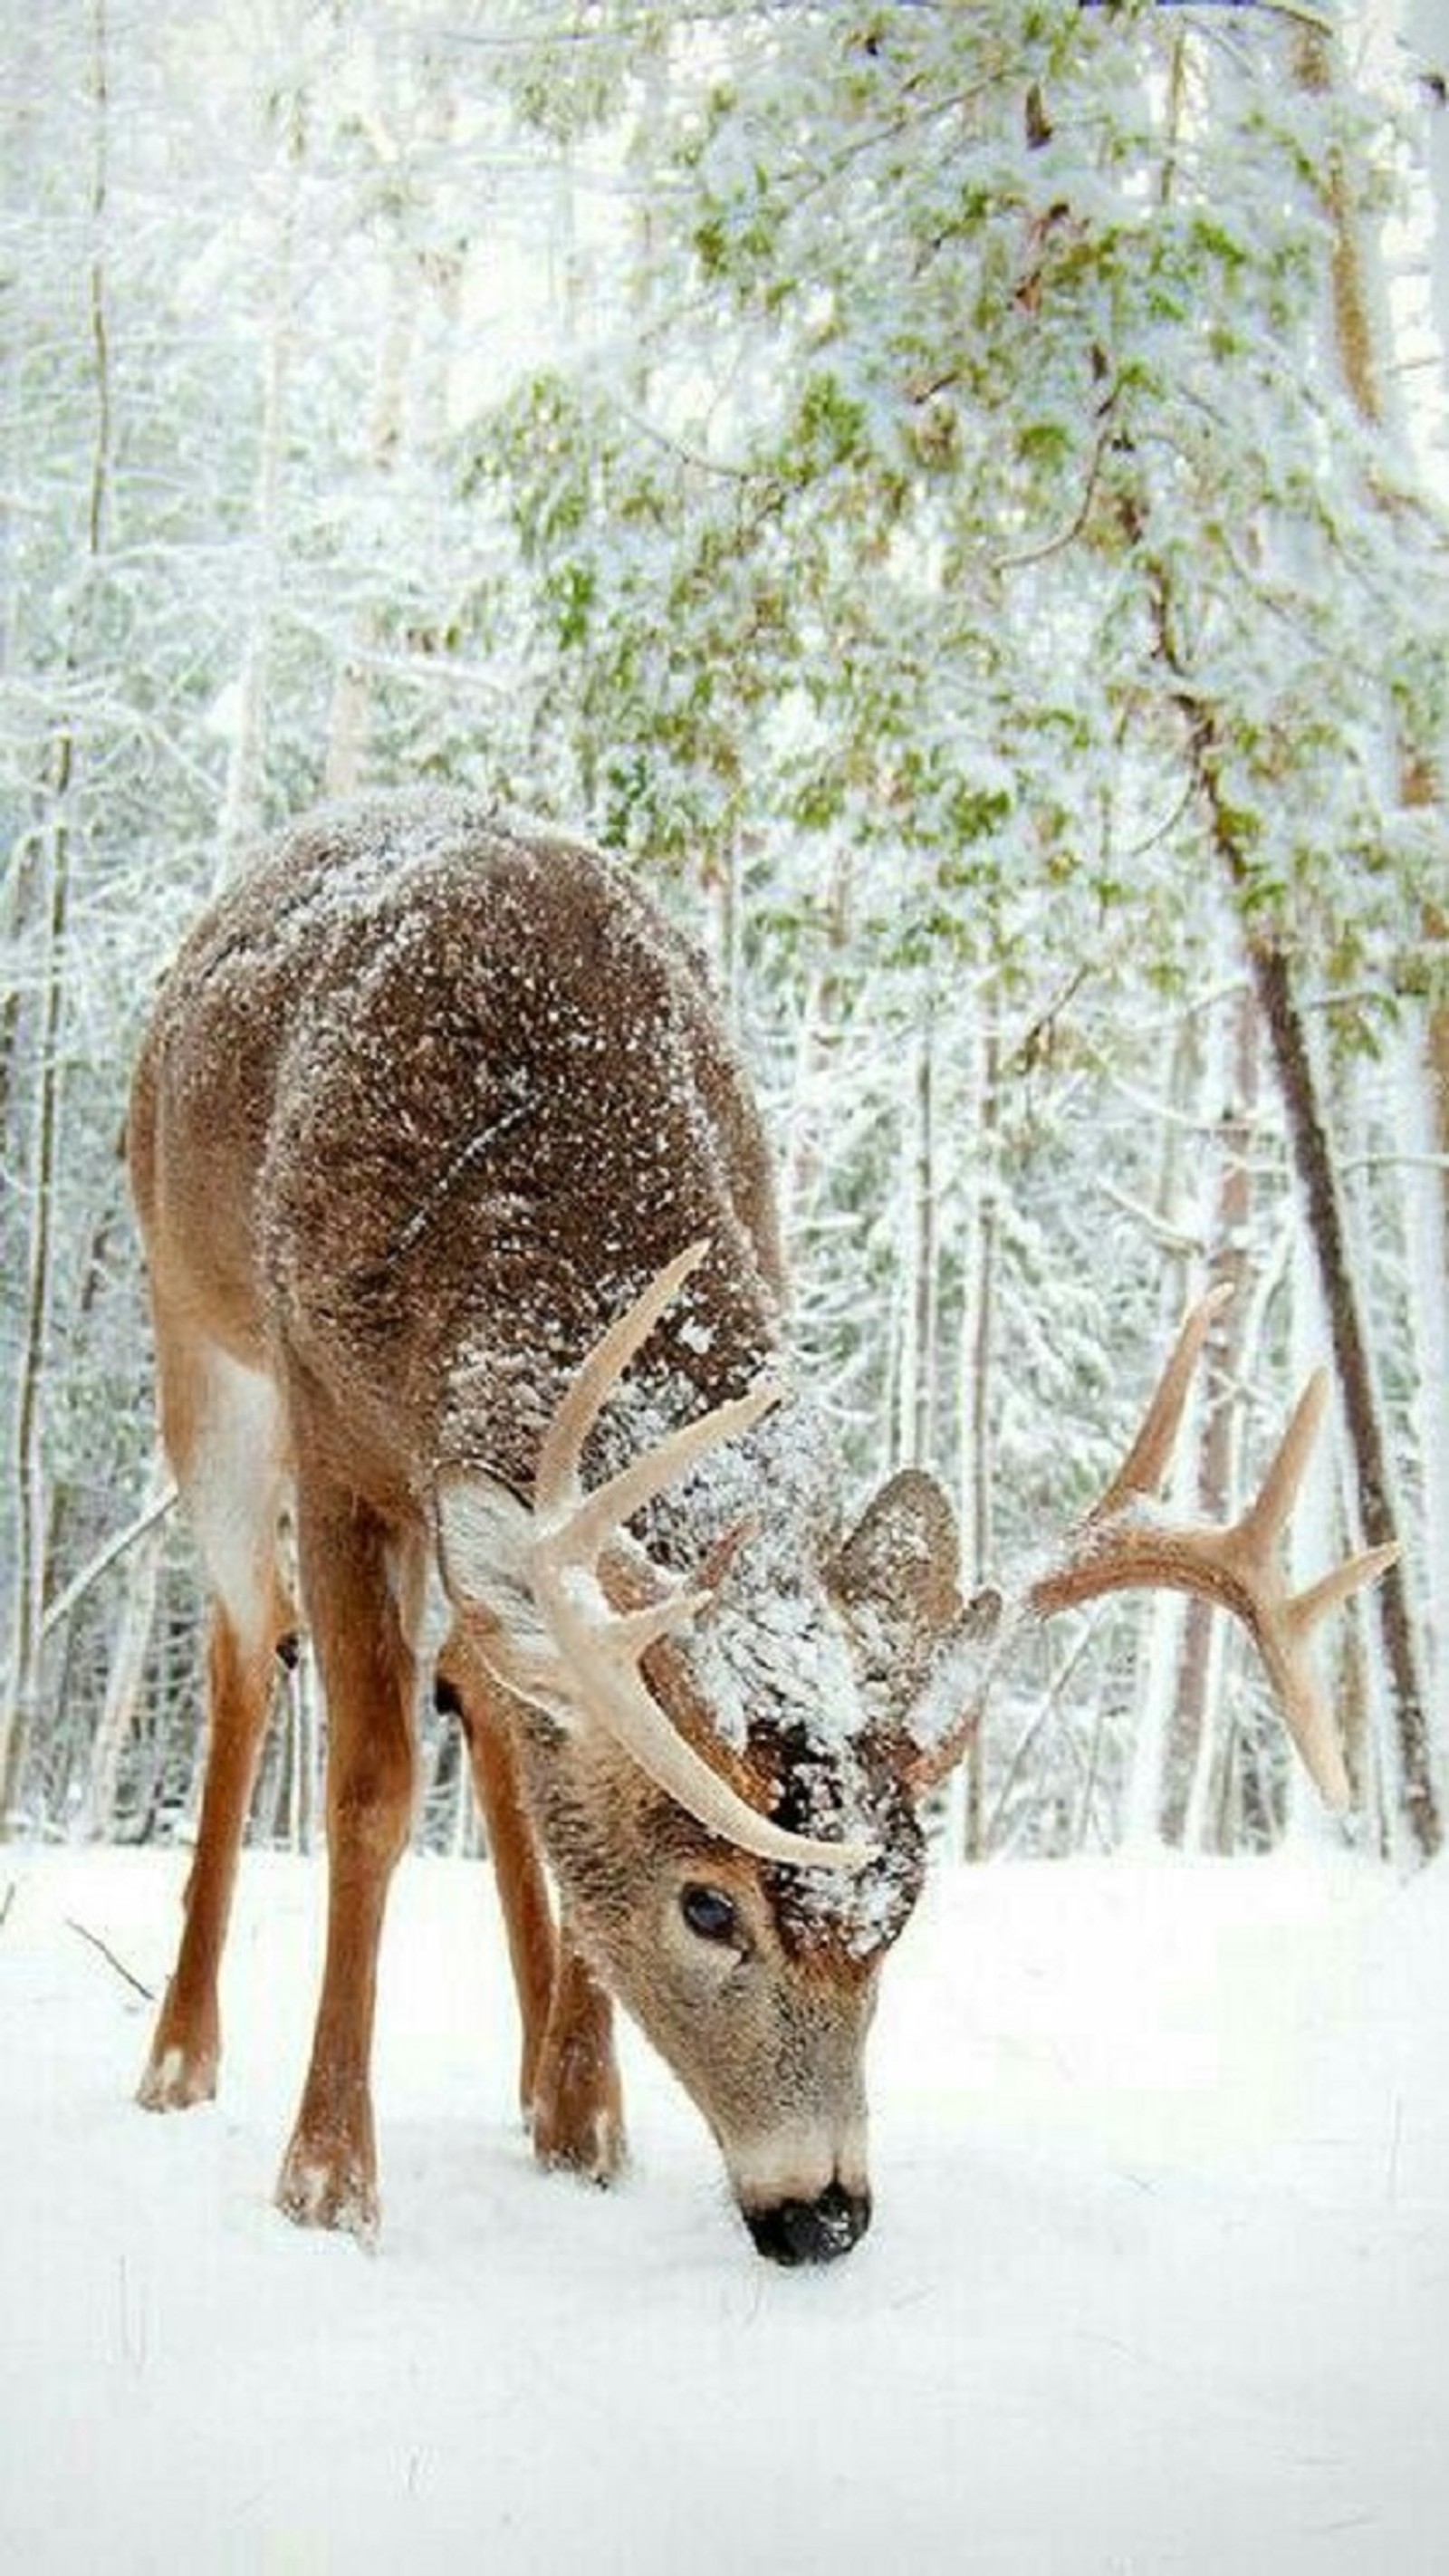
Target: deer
(465, 1272)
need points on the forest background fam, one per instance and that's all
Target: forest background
(956, 495)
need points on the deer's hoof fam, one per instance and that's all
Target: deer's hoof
(579, 2137)
(599, 2157)
(329, 2187)
(177, 2078)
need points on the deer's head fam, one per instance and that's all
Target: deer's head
(731, 1730)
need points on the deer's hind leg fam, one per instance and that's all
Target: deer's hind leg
(223, 1430)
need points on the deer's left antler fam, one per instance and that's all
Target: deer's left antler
(1126, 1543)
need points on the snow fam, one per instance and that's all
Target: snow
(1159, 2277)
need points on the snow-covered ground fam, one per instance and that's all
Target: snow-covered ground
(1159, 2277)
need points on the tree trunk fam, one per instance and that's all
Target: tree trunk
(1423, 1125)
(349, 722)
(975, 1442)
(1160, 1630)
(1189, 1731)
(1365, 379)
(1314, 1538)
(1272, 976)
(127, 1667)
(819, 1025)
(302, 1710)
(20, 1702)
(242, 808)
(1313, 1161)
(916, 1431)
(978, 1318)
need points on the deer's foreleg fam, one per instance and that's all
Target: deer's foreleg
(569, 2080)
(484, 1707)
(578, 2103)
(361, 1599)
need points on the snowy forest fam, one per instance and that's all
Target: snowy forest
(955, 496)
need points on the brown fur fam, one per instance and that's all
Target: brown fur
(423, 1103)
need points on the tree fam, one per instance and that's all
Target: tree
(1004, 335)
(928, 525)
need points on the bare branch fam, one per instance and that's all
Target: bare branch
(108, 1954)
(115, 1548)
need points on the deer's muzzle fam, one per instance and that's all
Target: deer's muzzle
(811, 2231)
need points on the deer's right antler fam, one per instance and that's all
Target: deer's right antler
(1126, 1543)
(598, 1645)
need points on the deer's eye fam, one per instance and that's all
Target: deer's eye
(709, 1912)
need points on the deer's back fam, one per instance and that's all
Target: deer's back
(424, 1098)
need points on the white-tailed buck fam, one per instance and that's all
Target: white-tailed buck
(462, 1250)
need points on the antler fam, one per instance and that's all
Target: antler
(598, 1646)
(1124, 1543)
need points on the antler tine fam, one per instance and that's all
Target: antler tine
(585, 1398)
(633, 1632)
(1306, 1714)
(610, 1505)
(1309, 1607)
(1145, 1464)
(1268, 1515)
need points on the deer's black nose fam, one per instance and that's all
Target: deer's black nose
(811, 2231)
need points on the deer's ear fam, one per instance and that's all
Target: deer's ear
(895, 1579)
(902, 1556)
(484, 1534)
